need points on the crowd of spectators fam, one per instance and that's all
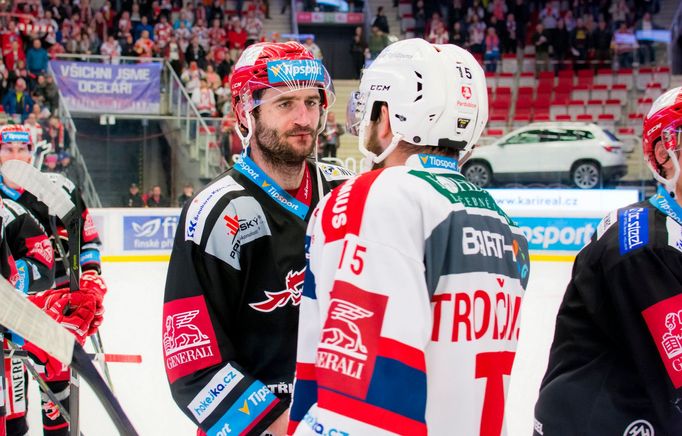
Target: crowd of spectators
(562, 32)
(201, 41)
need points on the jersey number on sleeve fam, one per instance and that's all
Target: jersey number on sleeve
(356, 261)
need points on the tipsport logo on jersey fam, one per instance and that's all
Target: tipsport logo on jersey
(149, 232)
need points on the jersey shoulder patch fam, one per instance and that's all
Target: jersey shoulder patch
(242, 221)
(606, 223)
(633, 228)
(333, 172)
(201, 205)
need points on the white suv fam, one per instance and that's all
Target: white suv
(583, 154)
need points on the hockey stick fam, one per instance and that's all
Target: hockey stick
(95, 339)
(58, 202)
(16, 353)
(20, 315)
(111, 358)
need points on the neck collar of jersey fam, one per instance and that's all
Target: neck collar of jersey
(432, 162)
(666, 204)
(11, 193)
(246, 166)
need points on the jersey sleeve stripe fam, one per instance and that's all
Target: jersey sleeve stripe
(306, 396)
(369, 414)
(338, 218)
(305, 371)
(398, 388)
(403, 353)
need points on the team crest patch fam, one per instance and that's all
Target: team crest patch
(189, 342)
(334, 172)
(664, 320)
(292, 293)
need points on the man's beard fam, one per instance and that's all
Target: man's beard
(275, 149)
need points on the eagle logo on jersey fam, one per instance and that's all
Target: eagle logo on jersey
(293, 291)
(181, 333)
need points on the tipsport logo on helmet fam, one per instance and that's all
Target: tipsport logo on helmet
(285, 71)
(16, 137)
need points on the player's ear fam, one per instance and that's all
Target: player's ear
(383, 123)
(661, 154)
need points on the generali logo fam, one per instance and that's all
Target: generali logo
(343, 336)
(664, 320)
(181, 333)
(189, 342)
(672, 339)
(349, 341)
(466, 92)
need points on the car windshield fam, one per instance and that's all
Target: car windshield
(550, 135)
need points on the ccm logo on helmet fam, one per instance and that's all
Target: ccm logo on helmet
(380, 87)
(15, 137)
(653, 129)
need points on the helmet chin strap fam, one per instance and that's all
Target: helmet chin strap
(370, 157)
(671, 183)
(246, 139)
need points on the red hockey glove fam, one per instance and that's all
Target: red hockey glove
(73, 310)
(93, 283)
(53, 367)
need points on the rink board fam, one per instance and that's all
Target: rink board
(133, 321)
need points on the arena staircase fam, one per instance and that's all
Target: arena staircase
(665, 16)
(391, 13)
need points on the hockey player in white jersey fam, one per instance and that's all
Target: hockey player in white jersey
(409, 319)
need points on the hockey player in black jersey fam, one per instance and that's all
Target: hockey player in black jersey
(615, 366)
(236, 272)
(85, 307)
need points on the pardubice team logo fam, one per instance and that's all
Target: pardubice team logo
(293, 291)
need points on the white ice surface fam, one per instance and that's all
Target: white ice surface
(133, 326)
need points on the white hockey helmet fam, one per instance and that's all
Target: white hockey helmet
(436, 95)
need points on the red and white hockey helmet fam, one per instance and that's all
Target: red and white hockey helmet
(664, 122)
(281, 66)
(16, 133)
(436, 96)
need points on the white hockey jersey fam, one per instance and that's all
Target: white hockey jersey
(409, 320)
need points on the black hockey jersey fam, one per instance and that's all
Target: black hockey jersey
(234, 284)
(615, 366)
(30, 247)
(90, 258)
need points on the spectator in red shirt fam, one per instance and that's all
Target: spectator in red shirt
(237, 40)
(162, 33)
